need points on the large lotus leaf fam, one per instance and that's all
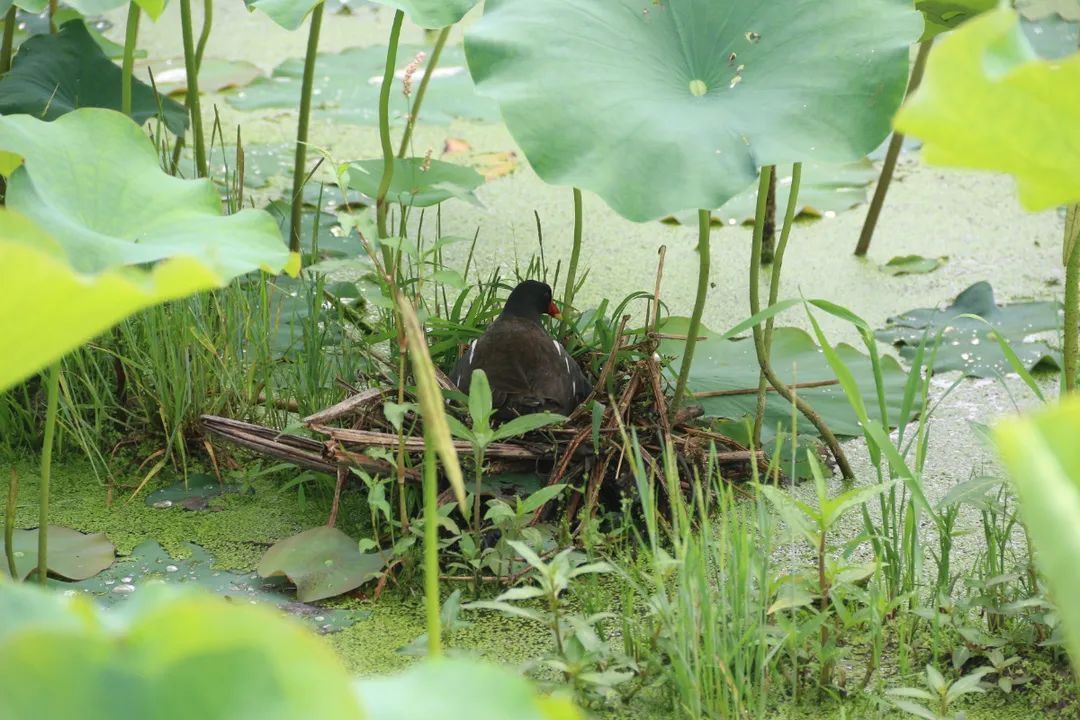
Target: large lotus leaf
(432, 13)
(1043, 459)
(72, 554)
(732, 365)
(417, 182)
(987, 102)
(944, 15)
(289, 14)
(967, 343)
(660, 108)
(321, 562)
(347, 88)
(91, 8)
(92, 179)
(168, 656)
(33, 6)
(52, 75)
(449, 689)
(149, 563)
(48, 308)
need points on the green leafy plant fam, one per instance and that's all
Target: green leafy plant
(941, 696)
(813, 525)
(482, 434)
(583, 659)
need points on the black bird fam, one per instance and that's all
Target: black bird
(528, 370)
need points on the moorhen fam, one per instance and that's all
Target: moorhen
(528, 370)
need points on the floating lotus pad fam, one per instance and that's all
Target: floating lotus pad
(967, 343)
(912, 265)
(322, 562)
(149, 563)
(72, 554)
(347, 88)
(732, 365)
(417, 182)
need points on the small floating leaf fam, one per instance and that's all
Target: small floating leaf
(321, 562)
(417, 182)
(912, 265)
(72, 555)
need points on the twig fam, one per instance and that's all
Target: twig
(342, 476)
(753, 391)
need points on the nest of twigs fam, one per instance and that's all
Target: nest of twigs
(585, 452)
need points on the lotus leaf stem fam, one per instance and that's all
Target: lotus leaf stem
(53, 384)
(204, 34)
(191, 71)
(9, 40)
(431, 548)
(891, 155)
(704, 222)
(130, 38)
(1072, 297)
(300, 160)
(421, 89)
(774, 290)
(768, 237)
(384, 135)
(9, 523)
(759, 338)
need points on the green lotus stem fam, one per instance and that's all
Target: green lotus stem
(53, 7)
(774, 289)
(9, 523)
(191, 71)
(384, 133)
(768, 237)
(130, 38)
(421, 89)
(300, 161)
(1072, 297)
(891, 155)
(699, 307)
(9, 40)
(53, 381)
(204, 35)
(431, 549)
(575, 255)
(759, 339)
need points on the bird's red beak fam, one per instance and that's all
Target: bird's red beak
(553, 309)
